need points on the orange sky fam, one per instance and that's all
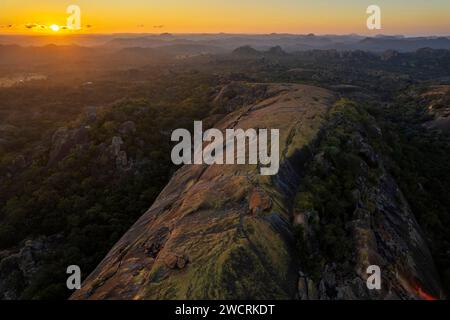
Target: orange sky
(413, 17)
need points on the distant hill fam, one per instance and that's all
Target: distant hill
(288, 42)
(401, 44)
(246, 51)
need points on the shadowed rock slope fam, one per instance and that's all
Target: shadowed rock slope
(226, 232)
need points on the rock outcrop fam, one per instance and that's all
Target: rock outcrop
(437, 102)
(227, 232)
(18, 266)
(220, 231)
(384, 233)
(64, 140)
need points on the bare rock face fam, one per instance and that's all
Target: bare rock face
(220, 231)
(227, 232)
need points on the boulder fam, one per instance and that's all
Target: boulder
(259, 202)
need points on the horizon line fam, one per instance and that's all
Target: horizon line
(226, 33)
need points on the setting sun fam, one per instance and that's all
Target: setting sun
(54, 27)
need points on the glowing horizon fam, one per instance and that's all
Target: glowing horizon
(412, 17)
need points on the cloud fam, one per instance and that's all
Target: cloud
(159, 26)
(31, 25)
(35, 25)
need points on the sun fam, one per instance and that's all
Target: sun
(54, 27)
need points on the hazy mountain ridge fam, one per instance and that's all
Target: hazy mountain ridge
(229, 42)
